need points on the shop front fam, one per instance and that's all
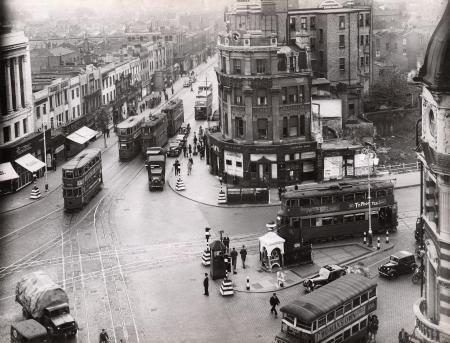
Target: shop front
(28, 167)
(8, 177)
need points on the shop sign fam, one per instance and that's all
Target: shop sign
(22, 149)
(59, 149)
(308, 154)
(340, 323)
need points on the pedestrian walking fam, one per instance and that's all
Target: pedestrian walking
(54, 164)
(103, 338)
(189, 165)
(202, 153)
(274, 302)
(107, 132)
(243, 253)
(176, 166)
(226, 242)
(190, 150)
(234, 255)
(206, 284)
(184, 151)
(172, 90)
(280, 192)
(195, 139)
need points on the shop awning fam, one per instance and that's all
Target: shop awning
(31, 163)
(7, 172)
(82, 135)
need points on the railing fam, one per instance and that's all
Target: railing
(425, 329)
(399, 168)
(290, 108)
(237, 109)
(262, 109)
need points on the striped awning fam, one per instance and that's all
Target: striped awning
(7, 172)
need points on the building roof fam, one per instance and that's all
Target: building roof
(435, 72)
(60, 51)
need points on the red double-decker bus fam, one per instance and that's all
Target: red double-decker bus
(336, 210)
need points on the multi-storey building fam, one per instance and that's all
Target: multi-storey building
(340, 46)
(264, 100)
(432, 311)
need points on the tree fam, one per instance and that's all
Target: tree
(102, 121)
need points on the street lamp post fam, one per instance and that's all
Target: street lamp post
(45, 159)
(369, 151)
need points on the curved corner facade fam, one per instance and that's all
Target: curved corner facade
(264, 104)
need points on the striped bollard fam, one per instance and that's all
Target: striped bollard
(387, 237)
(248, 283)
(378, 243)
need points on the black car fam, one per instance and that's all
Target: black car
(400, 263)
(174, 149)
(326, 275)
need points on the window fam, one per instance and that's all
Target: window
(239, 127)
(78, 92)
(330, 317)
(320, 35)
(367, 60)
(282, 62)
(404, 52)
(364, 298)
(44, 109)
(303, 23)
(73, 112)
(341, 41)
(312, 23)
(262, 125)
(16, 129)
(38, 112)
(78, 110)
(292, 23)
(361, 20)
(260, 66)
(321, 58)
(361, 40)
(238, 164)
(237, 66)
(367, 39)
(285, 127)
(322, 321)
(51, 102)
(228, 162)
(362, 61)
(360, 216)
(327, 221)
(261, 100)
(312, 44)
(363, 324)
(6, 134)
(341, 22)
(339, 311)
(225, 122)
(342, 64)
(338, 339)
(372, 293)
(293, 126)
(347, 307)
(325, 200)
(355, 329)
(346, 333)
(356, 302)
(224, 64)
(367, 15)
(432, 123)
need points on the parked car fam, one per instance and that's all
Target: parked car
(174, 149)
(187, 83)
(181, 138)
(400, 263)
(326, 275)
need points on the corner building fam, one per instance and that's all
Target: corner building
(264, 87)
(432, 311)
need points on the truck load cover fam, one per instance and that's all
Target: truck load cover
(36, 291)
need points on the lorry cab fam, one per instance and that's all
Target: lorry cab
(28, 331)
(58, 320)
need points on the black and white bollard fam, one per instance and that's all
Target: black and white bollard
(365, 239)
(378, 243)
(35, 193)
(206, 257)
(226, 288)
(180, 185)
(387, 237)
(222, 198)
(248, 283)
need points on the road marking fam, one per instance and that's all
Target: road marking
(375, 263)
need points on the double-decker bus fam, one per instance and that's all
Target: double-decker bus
(175, 115)
(335, 313)
(154, 132)
(336, 210)
(203, 101)
(82, 178)
(129, 136)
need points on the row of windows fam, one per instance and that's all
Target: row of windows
(71, 192)
(363, 21)
(110, 96)
(7, 130)
(77, 172)
(349, 332)
(289, 95)
(262, 66)
(335, 220)
(336, 198)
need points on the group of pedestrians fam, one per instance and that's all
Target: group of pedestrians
(198, 148)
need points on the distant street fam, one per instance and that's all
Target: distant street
(130, 260)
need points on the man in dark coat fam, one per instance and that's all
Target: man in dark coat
(206, 284)
(234, 255)
(184, 151)
(104, 338)
(243, 253)
(274, 302)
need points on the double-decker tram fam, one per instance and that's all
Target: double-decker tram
(336, 210)
(154, 132)
(82, 178)
(335, 313)
(175, 115)
(129, 136)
